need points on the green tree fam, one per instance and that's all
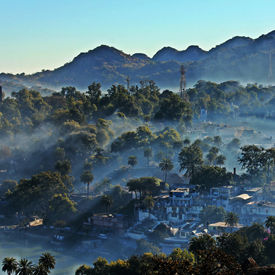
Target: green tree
(203, 242)
(269, 249)
(251, 159)
(7, 186)
(216, 261)
(9, 265)
(220, 160)
(179, 254)
(135, 186)
(231, 219)
(212, 214)
(84, 270)
(94, 92)
(165, 166)
(87, 177)
(100, 266)
(63, 167)
(211, 176)
(190, 158)
(32, 196)
(144, 186)
(125, 141)
(234, 244)
(61, 208)
(172, 107)
(270, 223)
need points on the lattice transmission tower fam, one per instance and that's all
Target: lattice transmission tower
(183, 93)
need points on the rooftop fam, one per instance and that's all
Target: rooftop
(262, 203)
(243, 197)
(224, 225)
(255, 189)
(180, 190)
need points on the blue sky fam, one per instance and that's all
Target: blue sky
(45, 34)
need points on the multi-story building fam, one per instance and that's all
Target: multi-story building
(257, 211)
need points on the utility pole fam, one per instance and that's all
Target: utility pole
(1, 94)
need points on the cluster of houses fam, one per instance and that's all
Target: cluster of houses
(250, 204)
(180, 209)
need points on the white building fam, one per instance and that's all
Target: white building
(257, 211)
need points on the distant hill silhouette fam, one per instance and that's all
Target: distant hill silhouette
(240, 58)
(192, 53)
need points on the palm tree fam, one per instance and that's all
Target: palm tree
(9, 265)
(132, 160)
(107, 202)
(40, 270)
(165, 166)
(231, 219)
(25, 267)
(270, 223)
(47, 261)
(87, 177)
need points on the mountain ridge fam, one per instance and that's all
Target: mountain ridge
(241, 58)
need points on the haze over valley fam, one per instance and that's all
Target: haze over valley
(118, 163)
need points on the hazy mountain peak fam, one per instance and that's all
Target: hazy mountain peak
(141, 56)
(194, 48)
(234, 42)
(105, 49)
(272, 33)
(192, 53)
(103, 53)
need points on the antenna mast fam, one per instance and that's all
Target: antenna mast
(128, 83)
(270, 66)
(182, 83)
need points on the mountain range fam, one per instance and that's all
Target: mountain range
(239, 58)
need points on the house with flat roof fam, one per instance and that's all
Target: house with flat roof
(223, 227)
(257, 211)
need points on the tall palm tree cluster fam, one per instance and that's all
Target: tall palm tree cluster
(25, 267)
(165, 166)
